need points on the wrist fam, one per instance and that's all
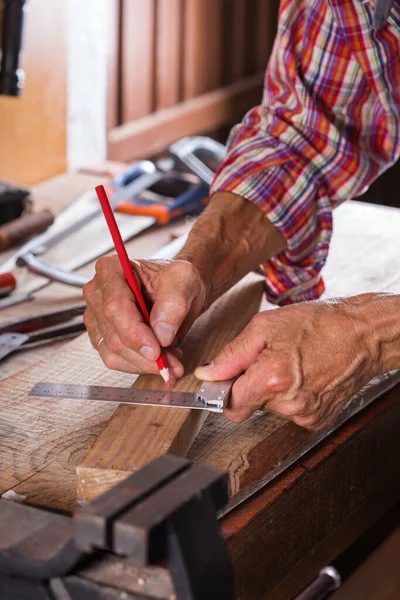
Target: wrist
(381, 315)
(231, 238)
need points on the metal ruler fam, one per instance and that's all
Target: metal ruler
(211, 396)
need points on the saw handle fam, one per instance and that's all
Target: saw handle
(20, 229)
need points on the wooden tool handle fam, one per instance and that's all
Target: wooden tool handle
(20, 229)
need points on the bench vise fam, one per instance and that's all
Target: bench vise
(165, 514)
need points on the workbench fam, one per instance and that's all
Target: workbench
(281, 536)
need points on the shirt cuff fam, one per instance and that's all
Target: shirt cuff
(293, 199)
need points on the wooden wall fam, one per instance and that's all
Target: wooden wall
(183, 67)
(33, 127)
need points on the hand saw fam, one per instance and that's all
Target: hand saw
(212, 395)
(187, 203)
(79, 279)
(83, 212)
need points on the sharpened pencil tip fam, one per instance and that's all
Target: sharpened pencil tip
(165, 375)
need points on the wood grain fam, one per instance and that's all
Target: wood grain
(169, 38)
(42, 441)
(202, 47)
(136, 435)
(33, 127)
(113, 64)
(154, 133)
(267, 17)
(238, 39)
(350, 481)
(137, 62)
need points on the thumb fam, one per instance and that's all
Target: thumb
(235, 358)
(174, 297)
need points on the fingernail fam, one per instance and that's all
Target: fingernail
(207, 366)
(165, 332)
(147, 353)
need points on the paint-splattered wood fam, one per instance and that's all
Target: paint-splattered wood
(136, 435)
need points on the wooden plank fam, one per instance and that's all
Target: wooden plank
(267, 13)
(113, 64)
(42, 441)
(202, 47)
(137, 63)
(251, 38)
(347, 483)
(136, 435)
(34, 126)
(169, 32)
(238, 46)
(378, 578)
(352, 526)
(154, 133)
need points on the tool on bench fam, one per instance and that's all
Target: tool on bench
(79, 279)
(42, 320)
(20, 229)
(212, 395)
(14, 201)
(201, 155)
(11, 342)
(166, 511)
(143, 190)
(31, 331)
(172, 196)
(83, 211)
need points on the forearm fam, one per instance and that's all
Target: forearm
(231, 238)
(382, 315)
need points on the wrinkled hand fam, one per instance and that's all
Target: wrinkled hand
(301, 362)
(115, 326)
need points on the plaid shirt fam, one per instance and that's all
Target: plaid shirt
(327, 127)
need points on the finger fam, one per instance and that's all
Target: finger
(119, 308)
(266, 385)
(175, 294)
(90, 321)
(236, 357)
(249, 393)
(116, 345)
(117, 363)
(138, 365)
(137, 361)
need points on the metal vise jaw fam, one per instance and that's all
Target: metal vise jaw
(167, 511)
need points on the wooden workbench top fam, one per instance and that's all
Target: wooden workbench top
(363, 257)
(42, 442)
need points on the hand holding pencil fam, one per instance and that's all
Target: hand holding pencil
(129, 272)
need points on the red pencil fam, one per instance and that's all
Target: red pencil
(129, 272)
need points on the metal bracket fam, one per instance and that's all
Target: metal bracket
(215, 394)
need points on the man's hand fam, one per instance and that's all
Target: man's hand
(305, 360)
(230, 239)
(116, 329)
